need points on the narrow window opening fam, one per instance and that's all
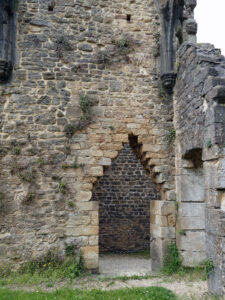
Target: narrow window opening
(51, 5)
(128, 18)
(50, 8)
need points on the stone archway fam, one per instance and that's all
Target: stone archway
(161, 218)
(124, 194)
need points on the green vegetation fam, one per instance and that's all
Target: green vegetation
(141, 254)
(29, 198)
(151, 293)
(49, 268)
(122, 47)
(62, 187)
(69, 130)
(67, 150)
(16, 150)
(27, 176)
(209, 144)
(64, 166)
(62, 44)
(85, 118)
(75, 165)
(40, 161)
(71, 204)
(172, 262)
(156, 50)
(111, 127)
(172, 135)
(161, 91)
(172, 265)
(208, 265)
(182, 232)
(85, 105)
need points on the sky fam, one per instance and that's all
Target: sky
(210, 16)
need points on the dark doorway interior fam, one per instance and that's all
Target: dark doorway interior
(124, 195)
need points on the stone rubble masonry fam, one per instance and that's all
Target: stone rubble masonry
(200, 158)
(124, 194)
(46, 178)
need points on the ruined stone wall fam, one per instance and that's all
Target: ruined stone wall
(124, 194)
(66, 52)
(199, 105)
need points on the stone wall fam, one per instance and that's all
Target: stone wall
(200, 125)
(124, 194)
(50, 160)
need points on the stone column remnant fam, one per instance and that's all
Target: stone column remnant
(171, 14)
(7, 8)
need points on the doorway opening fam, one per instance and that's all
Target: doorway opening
(124, 194)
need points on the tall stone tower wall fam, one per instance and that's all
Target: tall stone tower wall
(199, 107)
(52, 152)
(79, 79)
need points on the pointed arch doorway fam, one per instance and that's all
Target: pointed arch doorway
(124, 194)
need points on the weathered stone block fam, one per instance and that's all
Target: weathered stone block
(104, 161)
(96, 171)
(192, 241)
(90, 255)
(162, 232)
(192, 185)
(82, 230)
(83, 196)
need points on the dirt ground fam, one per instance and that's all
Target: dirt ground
(197, 289)
(113, 268)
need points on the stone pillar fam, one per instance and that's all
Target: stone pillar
(162, 228)
(190, 230)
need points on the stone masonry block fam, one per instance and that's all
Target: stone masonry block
(83, 196)
(163, 208)
(96, 171)
(90, 256)
(82, 230)
(162, 232)
(193, 241)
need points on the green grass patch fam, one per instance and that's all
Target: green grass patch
(49, 268)
(151, 293)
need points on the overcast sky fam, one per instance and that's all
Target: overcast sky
(210, 16)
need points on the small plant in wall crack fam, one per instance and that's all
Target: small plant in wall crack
(29, 198)
(209, 144)
(16, 150)
(118, 51)
(74, 165)
(71, 204)
(69, 130)
(172, 262)
(182, 232)
(85, 119)
(85, 105)
(208, 266)
(172, 135)
(62, 45)
(27, 176)
(156, 50)
(62, 187)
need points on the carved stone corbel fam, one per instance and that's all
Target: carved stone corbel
(171, 17)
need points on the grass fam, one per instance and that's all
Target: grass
(151, 293)
(50, 268)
